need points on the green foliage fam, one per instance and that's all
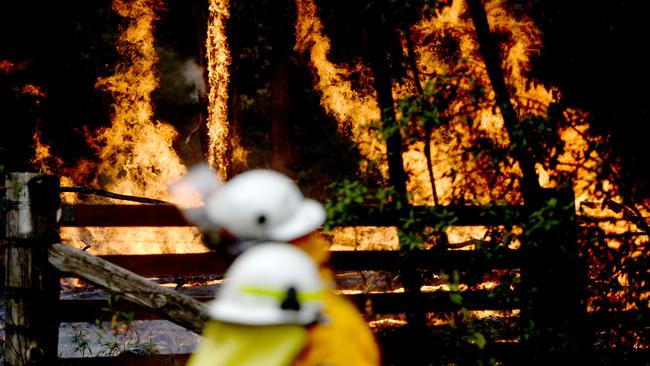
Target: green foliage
(463, 320)
(347, 193)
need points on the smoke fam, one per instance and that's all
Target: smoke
(181, 79)
(192, 75)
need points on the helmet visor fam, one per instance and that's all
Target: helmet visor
(308, 217)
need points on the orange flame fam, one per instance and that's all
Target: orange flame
(136, 152)
(137, 156)
(350, 107)
(221, 138)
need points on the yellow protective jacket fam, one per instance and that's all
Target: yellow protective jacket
(342, 339)
(227, 344)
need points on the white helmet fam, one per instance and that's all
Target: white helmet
(270, 283)
(263, 205)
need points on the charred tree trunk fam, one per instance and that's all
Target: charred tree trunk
(490, 51)
(553, 309)
(31, 284)
(199, 10)
(378, 54)
(377, 57)
(280, 103)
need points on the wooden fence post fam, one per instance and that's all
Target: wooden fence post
(31, 284)
(553, 280)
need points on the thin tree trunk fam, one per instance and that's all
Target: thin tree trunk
(378, 55)
(281, 158)
(427, 127)
(490, 52)
(199, 10)
(281, 150)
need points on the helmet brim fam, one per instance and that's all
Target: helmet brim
(307, 218)
(227, 312)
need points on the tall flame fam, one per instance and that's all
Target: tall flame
(218, 54)
(351, 108)
(137, 156)
(446, 53)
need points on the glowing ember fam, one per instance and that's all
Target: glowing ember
(8, 66)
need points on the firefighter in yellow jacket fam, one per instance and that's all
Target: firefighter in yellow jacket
(271, 299)
(263, 205)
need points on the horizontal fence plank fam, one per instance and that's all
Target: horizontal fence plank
(171, 265)
(127, 360)
(438, 301)
(89, 310)
(203, 264)
(169, 215)
(90, 215)
(458, 215)
(388, 260)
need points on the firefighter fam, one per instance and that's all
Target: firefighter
(262, 315)
(264, 205)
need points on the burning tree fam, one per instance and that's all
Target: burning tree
(462, 123)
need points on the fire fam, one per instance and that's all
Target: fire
(136, 148)
(351, 108)
(137, 157)
(42, 155)
(136, 152)
(223, 143)
(447, 55)
(456, 177)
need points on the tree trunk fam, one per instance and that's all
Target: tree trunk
(490, 52)
(378, 55)
(281, 150)
(281, 158)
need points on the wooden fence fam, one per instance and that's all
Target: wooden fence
(549, 297)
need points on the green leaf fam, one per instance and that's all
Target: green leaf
(478, 339)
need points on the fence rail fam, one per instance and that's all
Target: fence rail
(84, 215)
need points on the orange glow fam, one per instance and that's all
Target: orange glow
(365, 238)
(33, 90)
(8, 67)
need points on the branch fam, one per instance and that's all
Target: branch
(99, 192)
(166, 302)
